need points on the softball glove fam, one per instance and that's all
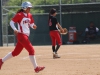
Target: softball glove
(65, 31)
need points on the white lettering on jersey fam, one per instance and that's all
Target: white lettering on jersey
(25, 23)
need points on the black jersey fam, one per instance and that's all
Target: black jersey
(52, 23)
(92, 30)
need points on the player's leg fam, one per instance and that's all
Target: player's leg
(54, 39)
(58, 38)
(57, 48)
(31, 51)
(53, 49)
(53, 45)
(53, 42)
(16, 51)
(19, 47)
(28, 46)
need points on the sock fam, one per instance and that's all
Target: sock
(33, 60)
(8, 56)
(58, 46)
(53, 48)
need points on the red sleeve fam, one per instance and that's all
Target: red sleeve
(32, 20)
(16, 18)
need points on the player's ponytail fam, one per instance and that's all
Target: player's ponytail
(49, 15)
(21, 10)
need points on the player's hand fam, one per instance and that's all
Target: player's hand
(34, 26)
(15, 32)
(62, 30)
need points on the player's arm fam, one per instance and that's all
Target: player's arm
(86, 31)
(59, 26)
(32, 24)
(12, 23)
(97, 29)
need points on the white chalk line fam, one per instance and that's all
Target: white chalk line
(79, 59)
(51, 54)
(91, 57)
(28, 56)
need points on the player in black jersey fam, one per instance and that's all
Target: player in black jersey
(54, 33)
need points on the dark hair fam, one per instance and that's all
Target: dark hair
(20, 10)
(52, 11)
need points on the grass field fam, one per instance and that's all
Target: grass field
(75, 60)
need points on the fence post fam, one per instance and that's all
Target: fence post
(60, 14)
(7, 30)
(1, 43)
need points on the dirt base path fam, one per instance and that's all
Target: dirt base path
(75, 60)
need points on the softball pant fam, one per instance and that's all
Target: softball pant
(55, 37)
(23, 42)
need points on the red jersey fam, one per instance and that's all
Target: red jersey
(24, 22)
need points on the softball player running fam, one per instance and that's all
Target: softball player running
(54, 33)
(24, 20)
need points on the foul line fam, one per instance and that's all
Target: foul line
(91, 57)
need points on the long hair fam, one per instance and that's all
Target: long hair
(20, 10)
(52, 11)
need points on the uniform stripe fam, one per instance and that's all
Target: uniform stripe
(20, 27)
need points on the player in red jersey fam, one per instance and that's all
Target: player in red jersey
(54, 33)
(24, 20)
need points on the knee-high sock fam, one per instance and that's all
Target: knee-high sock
(8, 56)
(33, 60)
(58, 46)
(53, 48)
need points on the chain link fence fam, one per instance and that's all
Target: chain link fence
(8, 36)
(68, 13)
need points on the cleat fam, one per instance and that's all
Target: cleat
(39, 69)
(53, 55)
(56, 55)
(1, 63)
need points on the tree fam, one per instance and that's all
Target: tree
(42, 2)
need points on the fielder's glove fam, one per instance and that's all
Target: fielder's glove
(65, 31)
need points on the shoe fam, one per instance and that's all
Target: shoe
(1, 63)
(39, 69)
(56, 55)
(53, 55)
